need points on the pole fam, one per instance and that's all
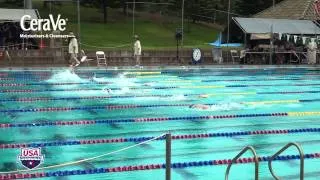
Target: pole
(271, 37)
(133, 11)
(28, 4)
(182, 22)
(79, 34)
(168, 156)
(228, 36)
(178, 51)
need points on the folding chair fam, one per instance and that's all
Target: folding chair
(101, 58)
(304, 58)
(234, 55)
(84, 57)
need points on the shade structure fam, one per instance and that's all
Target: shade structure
(282, 26)
(15, 15)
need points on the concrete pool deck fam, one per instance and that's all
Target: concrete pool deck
(133, 68)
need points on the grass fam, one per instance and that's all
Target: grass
(154, 33)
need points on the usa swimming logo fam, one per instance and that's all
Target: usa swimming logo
(30, 157)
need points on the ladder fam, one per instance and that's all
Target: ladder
(256, 160)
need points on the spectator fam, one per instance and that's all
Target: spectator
(137, 50)
(73, 50)
(312, 52)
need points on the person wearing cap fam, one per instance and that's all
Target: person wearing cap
(73, 49)
(137, 50)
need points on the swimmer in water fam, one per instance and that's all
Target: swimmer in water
(109, 91)
(199, 106)
(203, 96)
(147, 84)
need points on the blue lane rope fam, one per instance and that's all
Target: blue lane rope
(177, 165)
(146, 138)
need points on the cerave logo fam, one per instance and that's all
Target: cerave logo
(51, 24)
(30, 157)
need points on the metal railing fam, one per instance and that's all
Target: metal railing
(283, 149)
(234, 160)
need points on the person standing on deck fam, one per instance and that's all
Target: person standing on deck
(312, 52)
(137, 50)
(73, 50)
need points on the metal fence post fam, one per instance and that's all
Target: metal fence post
(168, 156)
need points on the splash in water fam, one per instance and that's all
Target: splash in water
(219, 107)
(226, 107)
(178, 98)
(65, 76)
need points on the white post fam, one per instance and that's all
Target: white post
(182, 22)
(271, 37)
(28, 4)
(79, 34)
(133, 10)
(228, 36)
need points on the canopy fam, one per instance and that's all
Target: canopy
(262, 25)
(16, 14)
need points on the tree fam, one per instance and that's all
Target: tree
(124, 6)
(251, 7)
(18, 3)
(104, 7)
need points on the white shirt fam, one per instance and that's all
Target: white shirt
(137, 48)
(73, 46)
(312, 46)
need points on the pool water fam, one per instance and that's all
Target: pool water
(132, 96)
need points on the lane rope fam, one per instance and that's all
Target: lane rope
(178, 165)
(52, 84)
(87, 159)
(145, 138)
(151, 88)
(155, 119)
(126, 106)
(15, 91)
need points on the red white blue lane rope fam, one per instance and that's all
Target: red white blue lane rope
(155, 119)
(48, 90)
(83, 98)
(107, 107)
(52, 84)
(22, 79)
(142, 139)
(177, 165)
(113, 107)
(14, 91)
(210, 80)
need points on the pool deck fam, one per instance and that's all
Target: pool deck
(133, 68)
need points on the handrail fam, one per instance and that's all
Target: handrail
(234, 160)
(283, 149)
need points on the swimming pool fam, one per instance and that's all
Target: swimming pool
(95, 111)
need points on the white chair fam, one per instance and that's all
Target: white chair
(101, 58)
(84, 57)
(234, 55)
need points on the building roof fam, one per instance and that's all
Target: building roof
(16, 14)
(290, 9)
(287, 26)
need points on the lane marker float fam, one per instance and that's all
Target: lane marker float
(155, 119)
(178, 165)
(174, 137)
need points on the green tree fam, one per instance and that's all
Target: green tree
(251, 7)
